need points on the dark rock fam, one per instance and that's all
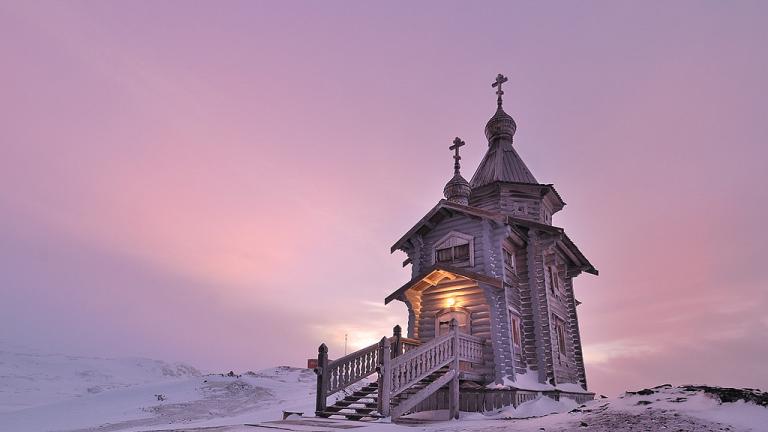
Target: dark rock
(727, 394)
(644, 402)
(643, 392)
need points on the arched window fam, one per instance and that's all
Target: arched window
(444, 317)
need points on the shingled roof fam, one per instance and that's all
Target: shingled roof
(501, 163)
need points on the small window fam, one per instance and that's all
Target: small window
(554, 282)
(445, 255)
(561, 339)
(549, 279)
(455, 249)
(461, 252)
(560, 331)
(514, 322)
(509, 260)
(453, 254)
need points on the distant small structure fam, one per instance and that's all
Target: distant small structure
(491, 310)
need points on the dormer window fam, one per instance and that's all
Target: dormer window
(455, 249)
(453, 254)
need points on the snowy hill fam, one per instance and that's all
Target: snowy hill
(29, 379)
(53, 392)
(64, 393)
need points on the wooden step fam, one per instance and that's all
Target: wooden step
(346, 403)
(365, 410)
(348, 415)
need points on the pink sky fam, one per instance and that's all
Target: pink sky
(220, 183)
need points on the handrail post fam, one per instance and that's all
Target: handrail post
(322, 378)
(453, 389)
(385, 377)
(397, 334)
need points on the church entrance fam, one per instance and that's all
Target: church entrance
(444, 317)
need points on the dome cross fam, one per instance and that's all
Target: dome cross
(500, 79)
(457, 143)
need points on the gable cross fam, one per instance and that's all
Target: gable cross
(457, 143)
(500, 79)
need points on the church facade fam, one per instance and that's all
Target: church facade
(489, 257)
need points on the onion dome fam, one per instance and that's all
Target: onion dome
(501, 123)
(457, 189)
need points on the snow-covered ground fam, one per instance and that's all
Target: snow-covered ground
(29, 378)
(64, 393)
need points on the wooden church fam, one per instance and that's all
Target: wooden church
(492, 317)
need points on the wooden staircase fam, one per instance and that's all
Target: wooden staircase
(408, 373)
(359, 405)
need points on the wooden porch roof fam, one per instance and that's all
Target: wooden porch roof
(438, 272)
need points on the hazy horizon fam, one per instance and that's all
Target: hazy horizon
(220, 183)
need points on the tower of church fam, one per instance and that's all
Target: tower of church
(488, 256)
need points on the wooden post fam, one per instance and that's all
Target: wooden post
(453, 389)
(322, 378)
(397, 347)
(385, 377)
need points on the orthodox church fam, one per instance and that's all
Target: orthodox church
(490, 302)
(489, 256)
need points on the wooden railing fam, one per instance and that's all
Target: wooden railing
(403, 372)
(417, 364)
(470, 348)
(401, 363)
(400, 345)
(351, 368)
(336, 375)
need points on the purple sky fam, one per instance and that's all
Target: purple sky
(220, 182)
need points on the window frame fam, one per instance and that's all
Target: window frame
(453, 240)
(560, 333)
(509, 257)
(515, 323)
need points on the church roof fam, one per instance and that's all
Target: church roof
(446, 209)
(501, 163)
(442, 208)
